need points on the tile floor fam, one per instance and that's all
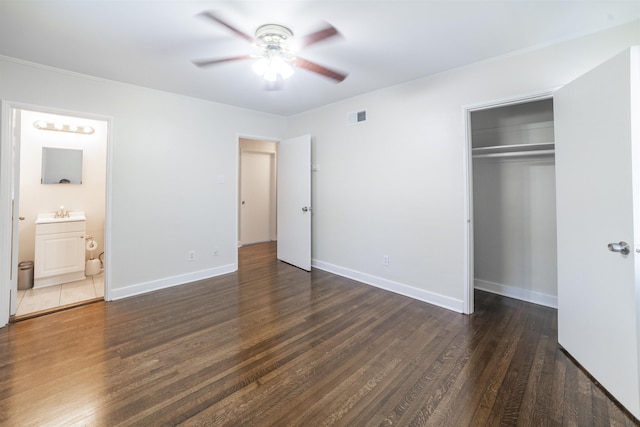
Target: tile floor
(32, 300)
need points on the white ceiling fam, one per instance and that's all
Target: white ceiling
(151, 42)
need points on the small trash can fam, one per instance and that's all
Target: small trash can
(25, 275)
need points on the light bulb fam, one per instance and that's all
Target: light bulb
(286, 70)
(271, 67)
(260, 66)
(270, 75)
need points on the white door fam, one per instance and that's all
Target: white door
(255, 198)
(294, 201)
(9, 210)
(17, 219)
(597, 131)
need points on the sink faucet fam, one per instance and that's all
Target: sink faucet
(61, 213)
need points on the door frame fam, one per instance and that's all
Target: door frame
(468, 243)
(10, 185)
(272, 188)
(240, 136)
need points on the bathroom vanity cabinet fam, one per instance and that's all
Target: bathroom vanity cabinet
(59, 252)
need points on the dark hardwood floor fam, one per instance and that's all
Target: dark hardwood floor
(274, 345)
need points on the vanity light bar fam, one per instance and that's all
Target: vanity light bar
(60, 127)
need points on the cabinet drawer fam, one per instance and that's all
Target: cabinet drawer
(60, 227)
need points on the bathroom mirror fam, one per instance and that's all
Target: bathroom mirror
(61, 166)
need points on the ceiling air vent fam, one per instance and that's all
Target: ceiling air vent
(357, 117)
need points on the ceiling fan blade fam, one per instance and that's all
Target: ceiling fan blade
(207, 62)
(313, 38)
(215, 18)
(319, 69)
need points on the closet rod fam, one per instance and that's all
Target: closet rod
(537, 145)
(516, 154)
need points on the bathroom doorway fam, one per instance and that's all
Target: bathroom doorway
(67, 251)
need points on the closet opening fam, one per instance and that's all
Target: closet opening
(512, 232)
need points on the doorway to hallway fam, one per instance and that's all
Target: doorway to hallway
(286, 178)
(258, 190)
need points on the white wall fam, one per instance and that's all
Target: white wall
(169, 154)
(36, 198)
(395, 185)
(514, 213)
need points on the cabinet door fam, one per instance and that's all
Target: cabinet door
(59, 253)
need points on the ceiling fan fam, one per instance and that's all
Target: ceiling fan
(275, 55)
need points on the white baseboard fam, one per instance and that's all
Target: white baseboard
(517, 293)
(167, 282)
(398, 288)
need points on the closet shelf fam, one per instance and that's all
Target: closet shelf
(545, 148)
(525, 127)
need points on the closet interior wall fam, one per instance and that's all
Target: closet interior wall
(514, 210)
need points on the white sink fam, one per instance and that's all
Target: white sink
(50, 217)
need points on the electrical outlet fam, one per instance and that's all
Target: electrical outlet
(192, 255)
(216, 251)
(385, 259)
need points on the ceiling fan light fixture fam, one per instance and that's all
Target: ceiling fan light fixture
(272, 67)
(270, 76)
(274, 64)
(260, 66)
(282, 67)
(276, 58)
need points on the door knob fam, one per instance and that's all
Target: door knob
(306, 209)
(21, 218)
(622, 247)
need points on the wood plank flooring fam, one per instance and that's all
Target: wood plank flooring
(272, 345)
